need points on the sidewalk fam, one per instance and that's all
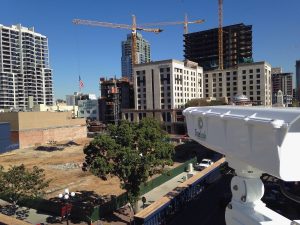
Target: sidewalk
(162, 190)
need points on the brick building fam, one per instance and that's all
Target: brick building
(36, 128)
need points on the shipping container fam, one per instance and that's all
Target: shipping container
(4, 137)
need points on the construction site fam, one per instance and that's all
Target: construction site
(62, 163)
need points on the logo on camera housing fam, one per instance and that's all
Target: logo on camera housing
(200, 132)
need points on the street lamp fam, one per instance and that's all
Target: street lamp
(67, 208)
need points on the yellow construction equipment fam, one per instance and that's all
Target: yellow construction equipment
(220, 34)
(133, 27)
(185, 23)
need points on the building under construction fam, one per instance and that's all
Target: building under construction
(116, 94)
(202, 47)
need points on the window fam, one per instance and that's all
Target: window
(244, 82)
(251, 81)
(251, 71)
(244, 88)
(257, 81)
(257, 70)
(257, 76)
(234, 73)
(220, 79)
(258, 92)
(251, 87)
(244, 71)
(227, 73)
(251, 77)
(244, 77)
(161, 70)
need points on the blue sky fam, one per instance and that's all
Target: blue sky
(94, 52)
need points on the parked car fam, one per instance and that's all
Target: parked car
(203, 164)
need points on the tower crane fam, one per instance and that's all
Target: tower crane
(133, 27)
(220, 33)
(185, 23)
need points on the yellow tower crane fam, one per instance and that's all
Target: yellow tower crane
(133, 27)
(220, 33)
(185, 23)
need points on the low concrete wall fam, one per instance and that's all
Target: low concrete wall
(34, 137)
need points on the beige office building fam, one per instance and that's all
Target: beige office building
(162, 88)
(250, 79)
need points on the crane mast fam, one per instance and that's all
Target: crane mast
(220, 34)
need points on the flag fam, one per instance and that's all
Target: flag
(81, 85)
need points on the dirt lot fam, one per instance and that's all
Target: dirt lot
(63, 167)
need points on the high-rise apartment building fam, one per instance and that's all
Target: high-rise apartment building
(25, 74)
(250, 79)
(282, 82)
(298, 79)
(202, 47)
(162, 88)
(142, 54)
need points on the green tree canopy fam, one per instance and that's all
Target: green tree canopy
(19, 182)
(203, 102)
(130, 151)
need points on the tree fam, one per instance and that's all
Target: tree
(19, 182)
(130, 151)
(203, 102)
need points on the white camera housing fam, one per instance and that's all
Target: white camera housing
(264, 138)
